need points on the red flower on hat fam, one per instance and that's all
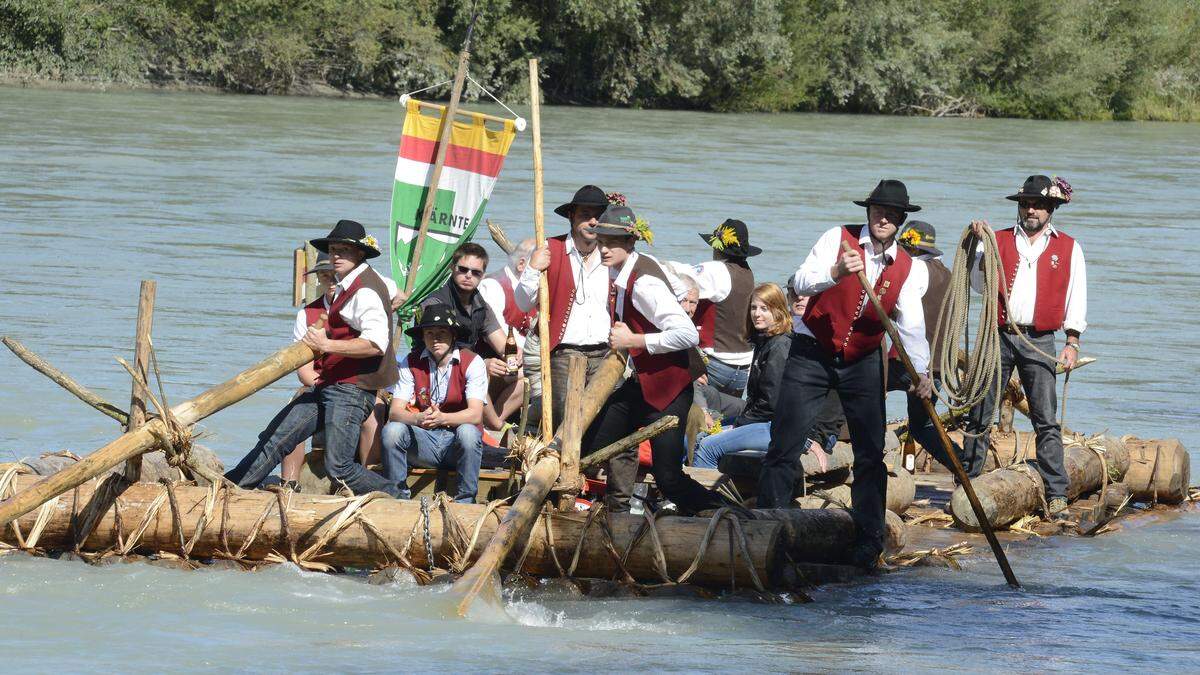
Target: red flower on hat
(617, 199)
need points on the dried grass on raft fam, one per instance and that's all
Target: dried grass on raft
(933, 557)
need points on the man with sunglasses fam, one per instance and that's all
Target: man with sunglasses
(837, 346)
(483, 335)
(1046, 283)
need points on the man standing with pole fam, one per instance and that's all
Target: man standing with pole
(838, 347)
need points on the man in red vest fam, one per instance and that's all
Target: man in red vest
(437, 405)
(1046, 283)
(726, 283)
(661, 339)
(579, 319)
(838, 346)
(355, 360)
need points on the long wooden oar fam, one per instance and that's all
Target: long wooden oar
(147, 437)
(955, 464)
(483, 576)
(539, 233)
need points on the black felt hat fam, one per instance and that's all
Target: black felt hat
(731, 237)
(1056, 189)
(588, 195)
(892, 193)
(438, 316)
(348, 232)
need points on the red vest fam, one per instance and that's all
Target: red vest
(513, 316)
(1053, 277)
(838, 317)
(662, 376)
(369, 373)
(705, 319)
(561, 283)
(456, 393)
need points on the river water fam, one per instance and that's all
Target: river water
(209, 194)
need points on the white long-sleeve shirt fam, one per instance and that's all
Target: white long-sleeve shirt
(364, 312)
(656, 301)
(815, 276)
(439, 379)
(1023, 296)
(493, 294)
(588, 322)
(715, 284)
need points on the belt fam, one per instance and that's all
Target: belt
(582, 348)
(1029, 331)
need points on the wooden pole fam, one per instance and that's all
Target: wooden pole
(310, 280)
(439, 161)
(141, 365)
(539, 233)
(631, 441)
(145, 438)
(955, 464)
(569, 482)
(299, 268)
(483, 575)
(500, 237)
(63, 380)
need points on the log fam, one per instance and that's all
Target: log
(155, 466)
(570, 481)
(145, 438)
(483, 575)
(748, 463)
(1009, 494)
(299, 271)
(901, 490)
(308, 517)
(141, 365)
(63, 380)
(500, 237)
(826, 536)
(539, 234)
(1159, 471)
(631, 441)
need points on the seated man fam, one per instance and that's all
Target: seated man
(354, 360)
(497, 290)
(437, 405)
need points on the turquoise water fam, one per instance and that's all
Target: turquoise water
(209, 194)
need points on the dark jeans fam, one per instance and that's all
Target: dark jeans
(1038, 380)
(627, 411)
(920, 426)
(726, 378)
(339, 409)
(807, 378)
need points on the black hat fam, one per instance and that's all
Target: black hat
(1055, 189)
(918, 235)
(348, 232)
(322, 264)
(731, 238)
(438, 316)
(890, 192)
(588, 195)
(617, 221)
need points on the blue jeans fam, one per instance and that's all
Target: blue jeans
(726, 378)
(460, 448)
(755, 436)
(339, 409)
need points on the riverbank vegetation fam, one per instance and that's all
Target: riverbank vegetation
(1070, 59)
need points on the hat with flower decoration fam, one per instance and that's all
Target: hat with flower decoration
(620, 221)
(732, 238)
(348, 232)
(918, 236)
(1055, 188)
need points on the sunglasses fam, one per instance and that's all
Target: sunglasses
(462, 269)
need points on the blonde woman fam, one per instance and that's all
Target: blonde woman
(769, 325)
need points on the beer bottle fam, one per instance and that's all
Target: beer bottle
(510, 352)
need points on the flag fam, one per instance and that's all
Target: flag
(473, 161)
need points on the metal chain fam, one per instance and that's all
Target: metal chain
(428, 537)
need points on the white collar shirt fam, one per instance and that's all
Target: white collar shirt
(656, 301)
(1022, 298)
(815, 276)
(439, 379)
(588, 322)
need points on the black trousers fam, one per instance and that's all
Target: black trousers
(627, 411)
(920, 426)
(807, 378)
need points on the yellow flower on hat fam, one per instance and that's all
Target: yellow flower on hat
(724, 236)
(641, 228)
(911, 238)
(370, 241)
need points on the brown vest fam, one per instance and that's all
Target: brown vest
(723, 324)
(939, 281)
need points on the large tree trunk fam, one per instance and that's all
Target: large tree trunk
(309, 517)
(1159, 470)
(826, 535)
(1007, 495)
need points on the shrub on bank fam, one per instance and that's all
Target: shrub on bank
(1071, 59)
